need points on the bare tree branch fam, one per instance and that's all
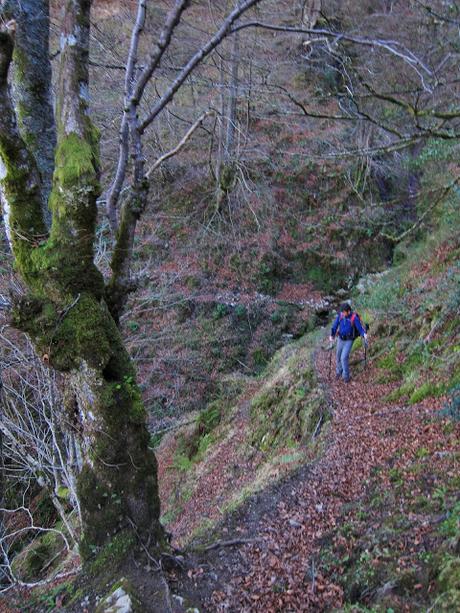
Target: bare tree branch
(181, 144)
(359, 115)
(115, 189)
(393, 47)
(134, 90)
(431, 11)
(224, 30)
(421, 219)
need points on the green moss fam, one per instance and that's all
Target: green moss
(63, 492)
(210, 418)
(77, 160)
(404, 390)
(395, 476)
(102, 505)
(34, 558)
(282, 413)
(182, 462)
(227, 177)
(192, 447)
(449, 575)
(127, 393)
(170, 516)
(427, 390)
(54, 266)
(390, 361)
(86, 332)
(260, 357)
(26, 220)
(112, 554)
(451, 526)
(123, 468)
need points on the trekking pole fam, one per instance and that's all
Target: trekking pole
(330, 360)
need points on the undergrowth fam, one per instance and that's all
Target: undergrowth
(416, 307)
(252, 439)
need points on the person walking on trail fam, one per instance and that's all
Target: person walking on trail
(348, 327)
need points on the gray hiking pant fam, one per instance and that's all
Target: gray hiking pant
(343, 355)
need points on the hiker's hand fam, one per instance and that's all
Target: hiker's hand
(331, 339)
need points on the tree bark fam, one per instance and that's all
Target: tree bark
(32, 92)
(225, 171)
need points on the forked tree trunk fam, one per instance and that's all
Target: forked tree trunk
(65, 311)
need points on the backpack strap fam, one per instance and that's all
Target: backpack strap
(338, 324)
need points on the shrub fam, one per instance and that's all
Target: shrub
(220, 311)
(427, 390)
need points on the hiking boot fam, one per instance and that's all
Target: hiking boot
(347, 380)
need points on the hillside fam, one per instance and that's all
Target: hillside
(281, 488)
(375, 507)
(369, 514)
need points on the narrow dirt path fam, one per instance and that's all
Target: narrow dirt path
(278, 571)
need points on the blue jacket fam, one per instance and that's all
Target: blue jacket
(345, 326)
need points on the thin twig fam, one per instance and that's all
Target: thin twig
(231, 543)
(181, 144)
(141, 542)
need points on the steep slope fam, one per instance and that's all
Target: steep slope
(373, 521)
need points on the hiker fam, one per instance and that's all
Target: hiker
(348, 326)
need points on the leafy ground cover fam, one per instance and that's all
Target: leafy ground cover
(238, 446)
(290, 566)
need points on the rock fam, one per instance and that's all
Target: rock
(119, 593)
(385, 590)
(118, 601)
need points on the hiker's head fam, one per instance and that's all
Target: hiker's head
(345, 308)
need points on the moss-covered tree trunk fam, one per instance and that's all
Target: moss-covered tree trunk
(32, 92)
(64, 309)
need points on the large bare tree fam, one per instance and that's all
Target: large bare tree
(64, 309)
(67, 307)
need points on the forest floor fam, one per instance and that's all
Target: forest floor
(361, 523)
(369, 502)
